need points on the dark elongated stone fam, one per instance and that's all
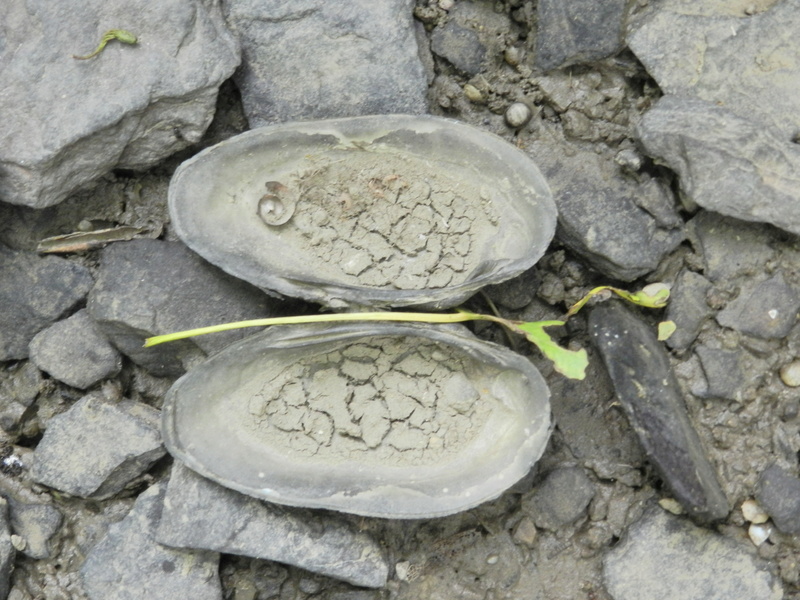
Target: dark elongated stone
(648, 391)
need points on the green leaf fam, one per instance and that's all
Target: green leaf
(570, 363)
(665, 330)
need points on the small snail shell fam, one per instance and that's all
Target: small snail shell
(518, 114)
(277, 207)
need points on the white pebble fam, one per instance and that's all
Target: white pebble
(759, 533)
(790, 374)
(518, 114)
(752, 511)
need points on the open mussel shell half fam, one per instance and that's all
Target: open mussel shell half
(383, 420)
(388, 210)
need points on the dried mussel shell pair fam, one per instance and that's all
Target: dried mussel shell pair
(387, 420)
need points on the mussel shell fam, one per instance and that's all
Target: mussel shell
(208, 423)
(213, 201)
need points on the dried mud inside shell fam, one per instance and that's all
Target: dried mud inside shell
(397, 421)
(371, 211)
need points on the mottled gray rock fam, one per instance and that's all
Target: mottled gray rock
(766, 309)
(650, 395)
(599, 216)
(67, 122)
(34, 292)
(726, 163)
(128, 564)
(574, 31)
(730, 248)
(779, 495)
(33, 517)
(75, 352)
(460, 46)
(199, 513)
(17, 393)
(314, 59)
(150, 287)
(560, 499)
(6, 550)
(714, 51)
(724, 372)
(96, 447)
(665, 556)
(687, 308)
(516, 293)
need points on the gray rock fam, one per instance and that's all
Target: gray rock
(314, 59)
(150, 287)
(96, 447)
(75, 352)
(687, 308)
(766, 309)
(724, 372)
(516, 293)
(128, 564)
(33, 517)
(560, 499)
(650, 395)
(665, 556)
(201, 514)
(778, 493)
(598, 213)
(709, 50)
(460, 46)
(17, 393)
(6, 550)
(726, 163)
(574, 31)
(34, 292)
(731, 248)
(66, 122)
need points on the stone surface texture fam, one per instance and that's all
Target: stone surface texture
(97, 447)
(6, 550)
(560, 499)
(665, 556)
(315, 59)
(575, 31)
(150, 287)
(34, 292)
(128, 564)
(201, 514)
(75, 352)
(779, 495)
(128, 107)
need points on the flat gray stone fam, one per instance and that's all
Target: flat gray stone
(75, 352)
(664, 556)
(650, 395)
(714, 51)
(34, 292)
(560, 499)
(726, 163)
(575, 31)
(687, 308)
(67, 122)
(199, 513)
(128, 564)
(17, 393)
(730, 248)
(778, 493)
(724, 371)
(599, 213)
(150, 287)
(314, 59)
(460, 46)
(97, 447)
(6, 550)
(766, 309)
(32, 516)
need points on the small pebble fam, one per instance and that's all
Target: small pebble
(518, 114)
(752, 512)
(473, 94)
(790, 374)
(513, 55)
(18, 542)
(492, 559)
(759, 533)
(401, 570)
(671, 505)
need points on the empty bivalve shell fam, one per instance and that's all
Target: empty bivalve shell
(378, 419)
(388, 210)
